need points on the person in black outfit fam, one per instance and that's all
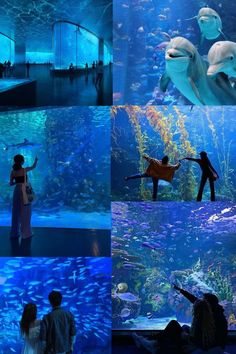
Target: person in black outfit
(208, 172)
(1, 70)
(57, 333)
(221, 324)
(27, 68)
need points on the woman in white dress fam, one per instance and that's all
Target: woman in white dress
(30, 330)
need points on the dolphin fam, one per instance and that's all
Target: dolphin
(222, 58)
(188, 72)
(210, 23)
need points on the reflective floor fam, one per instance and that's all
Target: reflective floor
(48, 242)
(55, 90)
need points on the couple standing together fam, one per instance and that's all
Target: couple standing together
(54, 334)
(161, 169)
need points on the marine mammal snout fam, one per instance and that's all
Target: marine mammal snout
(175, 54)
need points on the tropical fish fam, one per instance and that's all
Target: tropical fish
(222, 58)
(125, 312)
(129, 297)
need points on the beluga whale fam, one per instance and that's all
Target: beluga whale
(222, 59)
(210, 23)
(188, 72)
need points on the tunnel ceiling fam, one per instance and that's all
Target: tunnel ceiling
(30, 21)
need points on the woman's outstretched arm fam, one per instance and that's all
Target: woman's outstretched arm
(191, 159)
(27, 169)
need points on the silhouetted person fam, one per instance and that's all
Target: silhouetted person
(175, 339)
(218, 314)
(58, 328)
(1, 70)
(99, 74)
(86, 68)
(208, 172)
(5, 68)
(27, 69)
(157, 169)
(8, 68)
(30, 330)
(21, 208)
(71, 68)
(93, 66)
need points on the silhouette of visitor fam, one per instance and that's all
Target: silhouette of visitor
(157, 169)
(174, 339)
(27, 69)
(58, 327)
(1, 70)
(8, 68)
(99, 74)
(21, 208)
(208, 172)
(30, 330)
(71, 68)
(217, 310)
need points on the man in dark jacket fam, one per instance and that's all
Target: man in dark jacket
(58, 328)
(218, 314)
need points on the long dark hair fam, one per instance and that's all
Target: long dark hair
(19, 160)
(29, 315)
(203, 324)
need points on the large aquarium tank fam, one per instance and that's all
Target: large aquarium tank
(73, 44)
(7, 49)
(85, 287)
(176, 131)
(142, 30)
(157, 245)
(72, 178)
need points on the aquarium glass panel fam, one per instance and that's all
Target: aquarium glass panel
(64, 45)
(73, 44)
(157, 245)
(178, 132)
(87, 47)
(39, 57)
(106, 55)
(85, 287)
(72, 179)
(7, 49)
(142, 30)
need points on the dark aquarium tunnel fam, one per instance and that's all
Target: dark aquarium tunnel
(72, 178)
(50, 52)
(84, 284)
(179, 132)
(142, 32)
(157, 244)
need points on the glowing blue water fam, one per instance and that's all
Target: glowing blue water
(178, 133)
(72, 179)
(157, 244)
(75, 45)
(85, 287)
(7, 49)
(138, 28)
